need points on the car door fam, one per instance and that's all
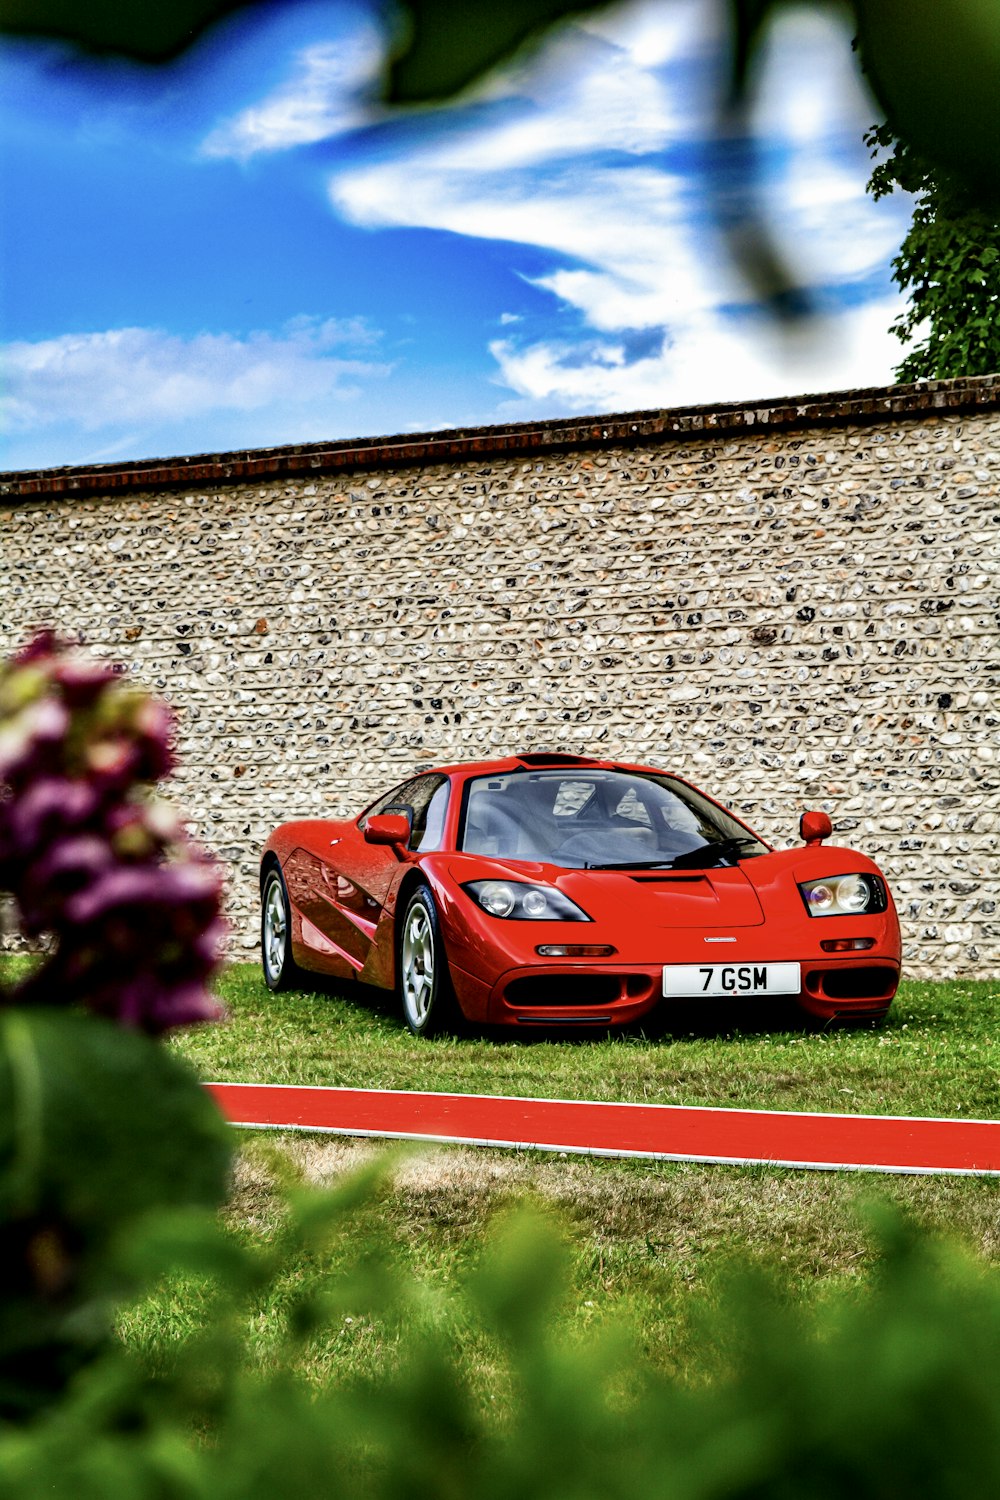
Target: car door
(359, 877)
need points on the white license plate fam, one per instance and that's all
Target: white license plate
(732, 979)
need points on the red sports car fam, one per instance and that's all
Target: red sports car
(552, 888)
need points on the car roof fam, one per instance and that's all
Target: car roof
(533, 761)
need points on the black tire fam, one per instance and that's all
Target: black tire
(280, 968)
(423, 981)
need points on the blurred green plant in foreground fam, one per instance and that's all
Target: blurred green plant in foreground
(113, 1161)
(891, 1393)
(932, 70)
(98, 1125)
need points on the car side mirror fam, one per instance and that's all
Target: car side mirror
(814, 827)
(387, 828)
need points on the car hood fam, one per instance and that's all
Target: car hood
(721, 897)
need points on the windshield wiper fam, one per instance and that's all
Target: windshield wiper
(723, 851)
(726, 851)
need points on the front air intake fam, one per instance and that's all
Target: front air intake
(870, 982)
(564, 989)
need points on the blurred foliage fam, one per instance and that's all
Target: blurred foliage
(98, 1125)
(152, 33)
(444, 47)
(874, 1397)
(948, 266)
(933, 68)
(935, 72)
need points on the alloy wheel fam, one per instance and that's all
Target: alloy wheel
(418, 966)
(275, 929)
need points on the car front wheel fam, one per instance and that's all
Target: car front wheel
(279, 967)
(424, 983)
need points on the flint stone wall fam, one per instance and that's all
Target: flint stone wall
(795, 606)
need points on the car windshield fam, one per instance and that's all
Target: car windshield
(600, 819)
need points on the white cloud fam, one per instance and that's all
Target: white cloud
(143, 376)
(587, 98)
(327, 95)
(710, 363)
(809, 80)
(652, 34)
(638, 246)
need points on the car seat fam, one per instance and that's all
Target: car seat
(494, 826)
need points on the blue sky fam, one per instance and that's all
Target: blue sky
(245, 249)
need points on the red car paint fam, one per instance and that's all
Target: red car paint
(346, 896)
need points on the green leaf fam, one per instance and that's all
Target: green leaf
(445, 47)
(934, 69)
(949, 268)
(522, 1277)
(98, 1128)
(99, 1124)
(147, 30)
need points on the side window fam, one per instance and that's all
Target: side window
(680, 818)
(631, 808)
(398, 797)
(571, 797)
(428, 797)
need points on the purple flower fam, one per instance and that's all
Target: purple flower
(149, 889)
(81, 682)
(48, 804)
(133, 906)
(33, 735)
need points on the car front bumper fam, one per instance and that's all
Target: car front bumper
(584, 993)
(501, 979)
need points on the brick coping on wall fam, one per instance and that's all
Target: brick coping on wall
(876, 404)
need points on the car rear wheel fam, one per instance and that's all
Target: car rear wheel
(423, 981)
(280, 969)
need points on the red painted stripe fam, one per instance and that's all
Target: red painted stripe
(675, 1132)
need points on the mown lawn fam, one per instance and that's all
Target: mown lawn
(938, 1054)
(650, 1242)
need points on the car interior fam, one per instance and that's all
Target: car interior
(576, 820)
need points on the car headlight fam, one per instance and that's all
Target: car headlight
(844, 896)
(520, 901)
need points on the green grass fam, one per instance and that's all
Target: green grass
(938, 1054)
(650, 1245)
(649, 1242)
